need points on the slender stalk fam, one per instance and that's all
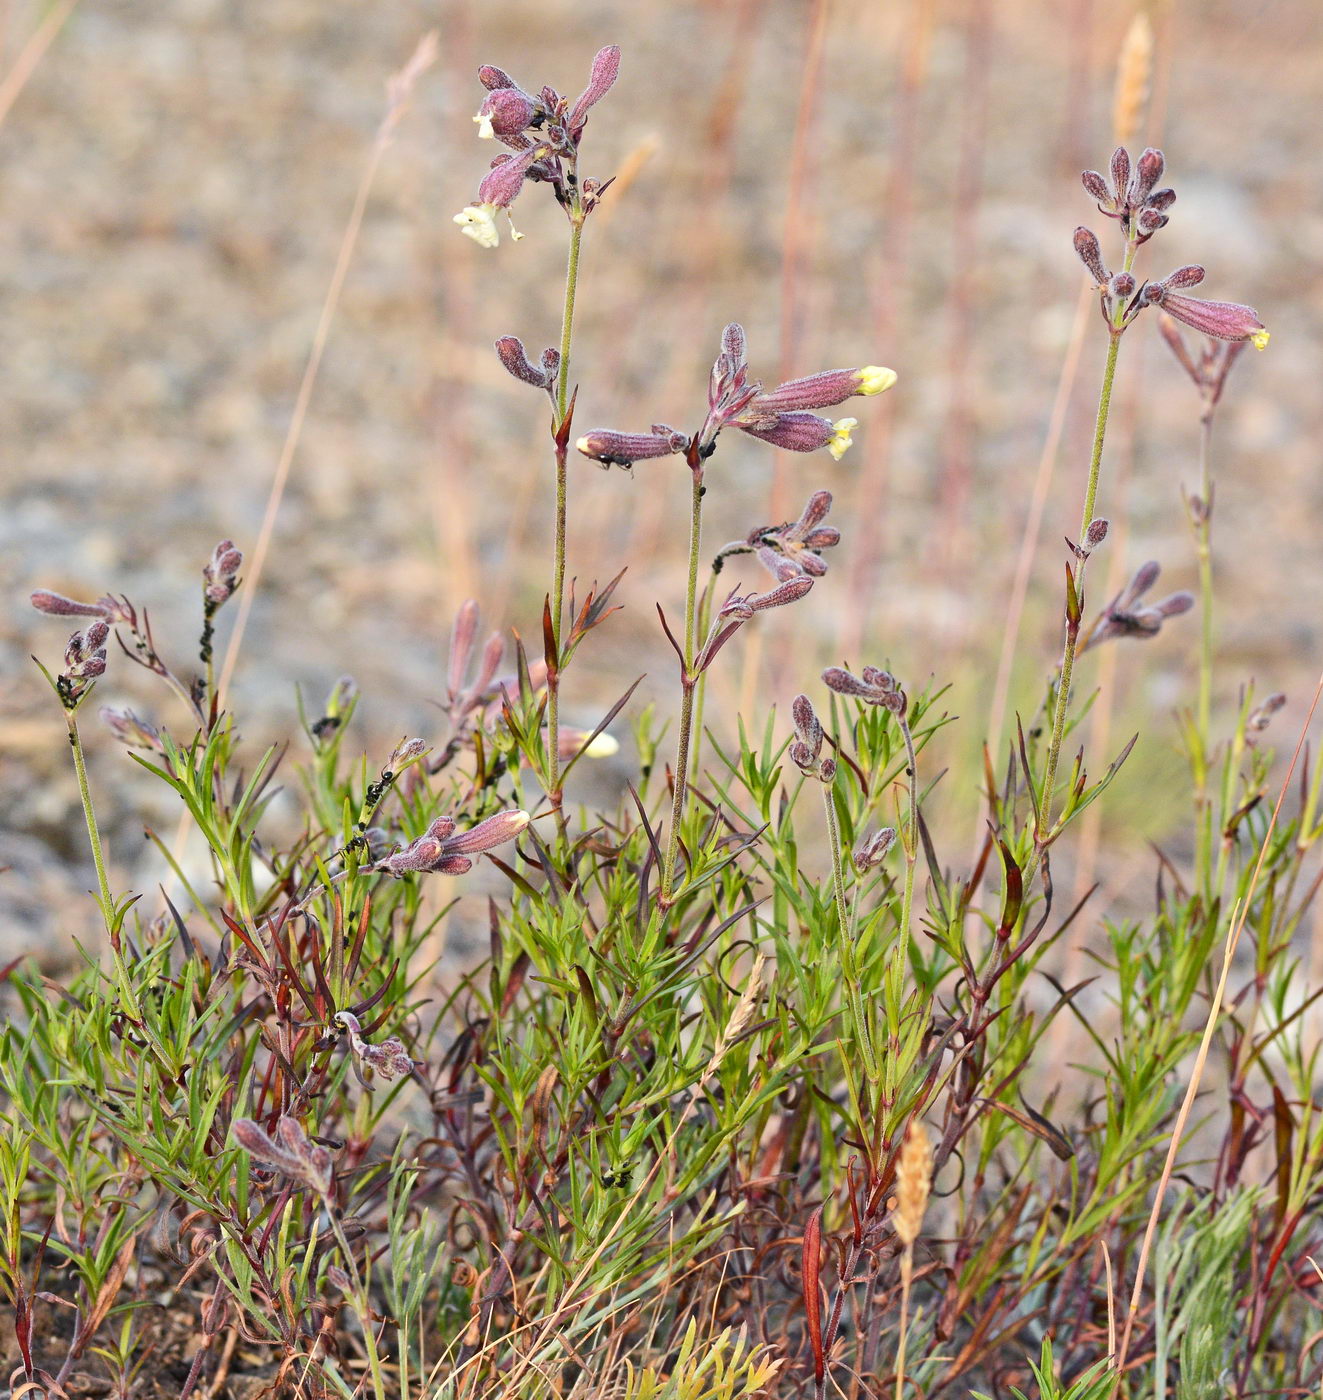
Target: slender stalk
(1203, 528)
(104, 897)
(562, 453)
(688, 684)
(849, 967)
(1068, 654)
(911, 842)
(700, 697)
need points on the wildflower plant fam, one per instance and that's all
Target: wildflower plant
(752, 1093)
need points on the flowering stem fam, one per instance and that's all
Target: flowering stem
(1203, 740)
(704, 615)
(93, 834)
(911, 842)
(688, 685)
(1073, 621)
(562, 452)
(849, 967)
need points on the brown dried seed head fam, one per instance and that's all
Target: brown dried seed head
(914, 1176)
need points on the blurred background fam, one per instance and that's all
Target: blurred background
(855, 182)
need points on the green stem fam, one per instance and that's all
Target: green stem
(1203, 740)
(361, 1302)
(93, 834)
(704, 618)
(687, 688)
(562, 453)
(1073, 629)
(911, 843)
(849, 965)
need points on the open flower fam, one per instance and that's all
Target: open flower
(1223, 320)
(544, 130)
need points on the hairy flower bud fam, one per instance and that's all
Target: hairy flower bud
(623, 449)
(1090, 254)
(511, 352)
(506, 112)
(57, 605)
(872, 849)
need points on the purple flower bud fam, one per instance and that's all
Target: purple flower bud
(735, 343)
(220, 576)
(871, 850)
(420, 855)
(780, 567)
(1122, 286)
(441, 828)
(1223, 320)
(1183, 277)
(405, 752)
(1090, 254)
(826, 770)
(1120, 171)
(129, 729)
(493, 78)
(1096, 186)
(1161, 200)
(57, 605)
(513, 356)
(1095, 534)
(605, 70)
(801, 756)
(622, 449)
(1148, 171)
(94, 636)
(1150, 221)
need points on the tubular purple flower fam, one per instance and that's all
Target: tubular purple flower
(744, 608)
(830, 387)
(801, 432)
(1223, 320)
(57, 605)
(489, 834)
(502, 183)
(623, 449)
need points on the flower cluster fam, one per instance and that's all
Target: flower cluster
(792, 548)
(438, 850)
(871, 685)
(220, 577)
(84, 661)
(783, 417)
(386, 1058)
(806, 746)
(1141, 210)
(290, 1152)
(544, 131)
(1125, 617)
(872, 849)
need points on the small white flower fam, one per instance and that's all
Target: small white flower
(485, 131)
(478, 221)
(875, 379)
